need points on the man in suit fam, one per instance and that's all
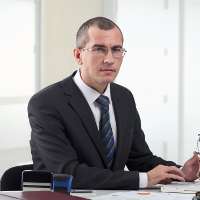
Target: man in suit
(67, 137)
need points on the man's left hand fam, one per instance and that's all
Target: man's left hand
(191, 168)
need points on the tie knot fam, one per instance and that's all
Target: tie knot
(103, 102)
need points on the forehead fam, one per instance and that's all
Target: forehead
(108, 38)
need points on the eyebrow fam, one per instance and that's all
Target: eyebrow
(100, 45)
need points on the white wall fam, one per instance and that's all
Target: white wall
(161, 68)
(17, 80)
(151, 66)
(191, 104)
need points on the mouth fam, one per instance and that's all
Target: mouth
(107, 70)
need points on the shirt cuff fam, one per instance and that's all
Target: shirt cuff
(143, 180)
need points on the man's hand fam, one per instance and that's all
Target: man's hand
(191, 168)
(164, 174)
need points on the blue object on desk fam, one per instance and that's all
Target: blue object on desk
(62, 183)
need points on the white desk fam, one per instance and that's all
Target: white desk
(104, 192)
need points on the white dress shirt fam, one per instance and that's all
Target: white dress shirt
(91, 95)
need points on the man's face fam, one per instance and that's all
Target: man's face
(98, 71)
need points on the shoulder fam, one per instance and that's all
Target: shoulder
(49, 91)
(122, 93)
(120, 89)
(55, 91)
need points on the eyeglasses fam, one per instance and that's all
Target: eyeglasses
(101, 51)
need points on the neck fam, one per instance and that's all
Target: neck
(102, 90)
(99, 87)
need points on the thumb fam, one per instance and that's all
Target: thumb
(194, 158)
(195, 155)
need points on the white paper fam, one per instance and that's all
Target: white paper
(134, 195)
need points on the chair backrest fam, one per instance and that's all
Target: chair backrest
(11, 179)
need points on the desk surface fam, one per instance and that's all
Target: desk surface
(36, 195)
(155, 189)
(75, 196)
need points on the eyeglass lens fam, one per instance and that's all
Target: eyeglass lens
(103, 51)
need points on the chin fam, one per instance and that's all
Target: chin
(108, 81)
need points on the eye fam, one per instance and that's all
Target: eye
(116, 50)
(100, 49)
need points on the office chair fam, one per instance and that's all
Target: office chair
(11, 179)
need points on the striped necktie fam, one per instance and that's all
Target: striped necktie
(105, 130)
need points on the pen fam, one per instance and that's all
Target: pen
(80, 191)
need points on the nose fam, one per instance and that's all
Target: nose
(109, 58)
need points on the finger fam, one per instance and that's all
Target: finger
(174, 170)
(165, 182)
(196, 155)
(177, 172)
(173, 176)
(194, 158)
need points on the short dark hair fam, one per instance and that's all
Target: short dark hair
(102, 23)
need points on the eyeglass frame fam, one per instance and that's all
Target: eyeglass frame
(123, 50)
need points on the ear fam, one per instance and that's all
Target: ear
(77, 56)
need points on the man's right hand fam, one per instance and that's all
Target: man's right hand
(163, 175)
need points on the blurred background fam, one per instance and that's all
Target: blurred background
(161, 67)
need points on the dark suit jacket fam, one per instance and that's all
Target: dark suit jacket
(65, 138)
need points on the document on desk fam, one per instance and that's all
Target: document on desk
(182, 187)
(142, 195)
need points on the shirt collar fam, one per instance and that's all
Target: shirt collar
(89, 93)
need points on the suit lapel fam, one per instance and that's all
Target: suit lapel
(118, 109)
(80, 105)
